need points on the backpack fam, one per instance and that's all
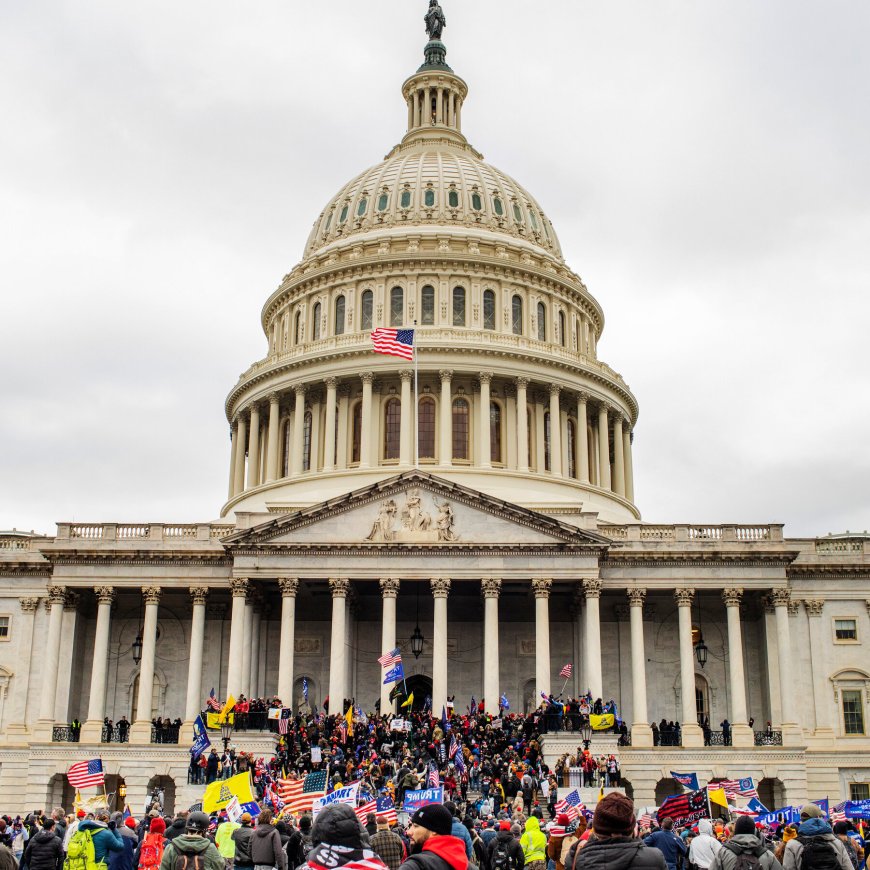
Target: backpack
(500, 857)
(747, 861)
(818, 854)
(151, 851)
(80, 853)
(189, 861)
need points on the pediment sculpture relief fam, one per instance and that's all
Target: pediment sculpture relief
(413, 523)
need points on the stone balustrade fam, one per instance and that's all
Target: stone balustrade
(135, 532)
(694, 534)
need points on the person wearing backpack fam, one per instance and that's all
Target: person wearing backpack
(505, 852)
(815, 847)
(744, 850)
(44, 849)
(149, 853)
(267, 850)
(92, 843)
(192, 850)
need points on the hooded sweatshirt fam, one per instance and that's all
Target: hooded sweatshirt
(440, 852)
(186, 844)
(705, 846)
(534, 842)
(618, 853)
(266, 847)
(791, 858)
(741, 844)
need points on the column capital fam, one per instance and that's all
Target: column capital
(491, 587)
(732, 596)
(289, 586)
(767, 604)
(151, 594)
(603, 408)
(198, 594)
(592, 588)
(367, 377)
(440, 586)
(636, 596)
(522, 383)
(330, 383)
(582, 397)
(780, 597)
(867, 602)
(339, 587)
(484, 377)
(300, 389)
(616, 417)
(405, 375)
(541, 586)
(794, 606)
(389, 587)
(240, 586)
(814, 606)
(555, 389)
(71, 601)
(445, 375)
(29, 605)
(105, 594)
(274, 398)
(684, 597)
(56, 595)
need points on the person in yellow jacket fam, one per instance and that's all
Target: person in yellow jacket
(534, 844)
(223, 839)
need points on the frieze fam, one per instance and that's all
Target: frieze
(413, 523)
(307, 646)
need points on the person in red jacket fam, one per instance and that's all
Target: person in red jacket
(432, 846)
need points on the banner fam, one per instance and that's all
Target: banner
(219, 793)
(685, 808)
(784, 816)
(346, 795)
(421, 797)
(857, 809)
(213, 721)
(394, 674)
(687, 780)
(200, 738)
(274, 713)
(602, 722)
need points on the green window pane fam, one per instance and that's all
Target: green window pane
(476, 202)
(497, 205)
(534, 219)
(453, 199)
(406, 199)
(343, 216)
(382, 202)
(518, 215)
(361, 208)
(429, 198)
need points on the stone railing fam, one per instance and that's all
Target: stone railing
(135, 532)
(768, 738)
(17, 544)
(690, 533)
(839, 547)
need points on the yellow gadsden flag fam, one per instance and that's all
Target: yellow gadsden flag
(228, 706)
(602, 722)
(213, 721)
(348, 717)
(410, 700)
(717, 796)
(222, 791)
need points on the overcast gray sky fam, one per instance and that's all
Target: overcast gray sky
(705, 165)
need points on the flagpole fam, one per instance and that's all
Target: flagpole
(416, 406)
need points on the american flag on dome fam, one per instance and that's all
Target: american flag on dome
(394, 342)
(570, 805)
(212, 702)
(86, 774)
(387, 810)
(566, 671)
(390, 659)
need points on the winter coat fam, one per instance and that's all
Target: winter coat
(669, 844)
(123, 860)
(459, 830)
(176, 829)
(441, 852)
(266, 847)
(503, 839)
(105, 839)
(7, 859)
(534, 842)
(740, 844)
(224, 838)
(44, 852)
(243, 838)
(791, 859)
(188, 844)
(705, 846)
(616, 853)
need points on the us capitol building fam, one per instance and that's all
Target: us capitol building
(507, 540)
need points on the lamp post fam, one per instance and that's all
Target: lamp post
(226, 732)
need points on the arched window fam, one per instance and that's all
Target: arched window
(397, 306)
(488, 309)
(459, 306)
(427, 306)
(562, 336)
(517, 315)
(392, 428)
(495, 432)
(426, 428)
(306, 441)
(285, 453)
(366, 310)
(460, 429)
(356, 433)
(572, 441)
(339, 316)
(547, 462)
(315, 326)
(542, 322)
(297, 323)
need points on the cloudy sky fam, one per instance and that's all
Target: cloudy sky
(705, 165)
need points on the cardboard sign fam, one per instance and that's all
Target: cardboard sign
(421, 797)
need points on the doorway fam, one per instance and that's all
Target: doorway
(421, 687)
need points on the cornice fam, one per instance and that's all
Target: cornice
(97, 559)
(557, 549)
(693, 559)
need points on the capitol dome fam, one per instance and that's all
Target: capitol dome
(506, 394)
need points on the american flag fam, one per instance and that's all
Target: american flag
(300, 794)
(366, 808)
(566, 671)
(838, 813)
(644, 821)
(394, 342)
(284, 720)
(434, 780)
(570, 805)
(454, 747)
(735, 788)
(387, 810)
(212, 702)
(388, 660)
(86, 774)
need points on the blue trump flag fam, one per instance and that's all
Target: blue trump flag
(200, 738)
(687, 780)
(395, 674)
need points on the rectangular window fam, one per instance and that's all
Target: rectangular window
(859, 791)
(853, 711)
(427, 306)
(4, 628)
(845, 629)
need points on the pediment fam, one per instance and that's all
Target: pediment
(415, 509)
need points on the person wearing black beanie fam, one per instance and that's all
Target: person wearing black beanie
(433, 847)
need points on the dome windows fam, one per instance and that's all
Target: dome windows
(315, 322)
(362, 207)
(366, 309)
(342, 218)
(460, 429)
(459, 306)
(383, 201)
(534, 219)
(542, 321)
(427, 306)
(518, 213)
(328, 222)
(488, 309)
(517, 315)
(397, 306)
(392, 428)
(426, 428)
(405, 200)
(429, 198)
(453, 199)
(339, 315)
(498, 206)
(476, 202)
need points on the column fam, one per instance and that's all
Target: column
(314, 459)
(343, 426)
(253, 679)
(51, 662)
(439, 104)
(296, 447)
(140, 732)
(629, 468)
(555, 432)
(618, 457)
(287, 647)
(427, 107)
(592, 633)
(791, 731)
(582, 440)
(366, 433)
(641, 733)
(28, 607)
(242, 439)
(483, 427)
(273, 446)
(92, 728)
(541, 589)
(329, 434)
(741, 733)
(491, 588)
(234, 449)
(240, 588)
(339, 587)
(818, 659)
(247, 645)
(522, 425)
(604, 451)
(389, 594)
(406, 429)
(445, 419)
(254, 451)
(440, 591)
(67, 655)
(193, 706)
(692, 734)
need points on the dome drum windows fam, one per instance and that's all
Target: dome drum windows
(453, 197)
(426, 428)
(315, 321)
(518, 212)
(488, 309)
(517, 315)
(429, 197)
(366, 311)
(542, 321)
(392, 429)
(498, 206)
(383, 201)
(427, 306)
(405, 199)
(460, 429)
(342, 218)
(339, 316)
(397, 306)
(362, 207)
(459, 306)
(476, 200)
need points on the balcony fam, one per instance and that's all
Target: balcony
(768, 738)
(165, 733)
(65, 734)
